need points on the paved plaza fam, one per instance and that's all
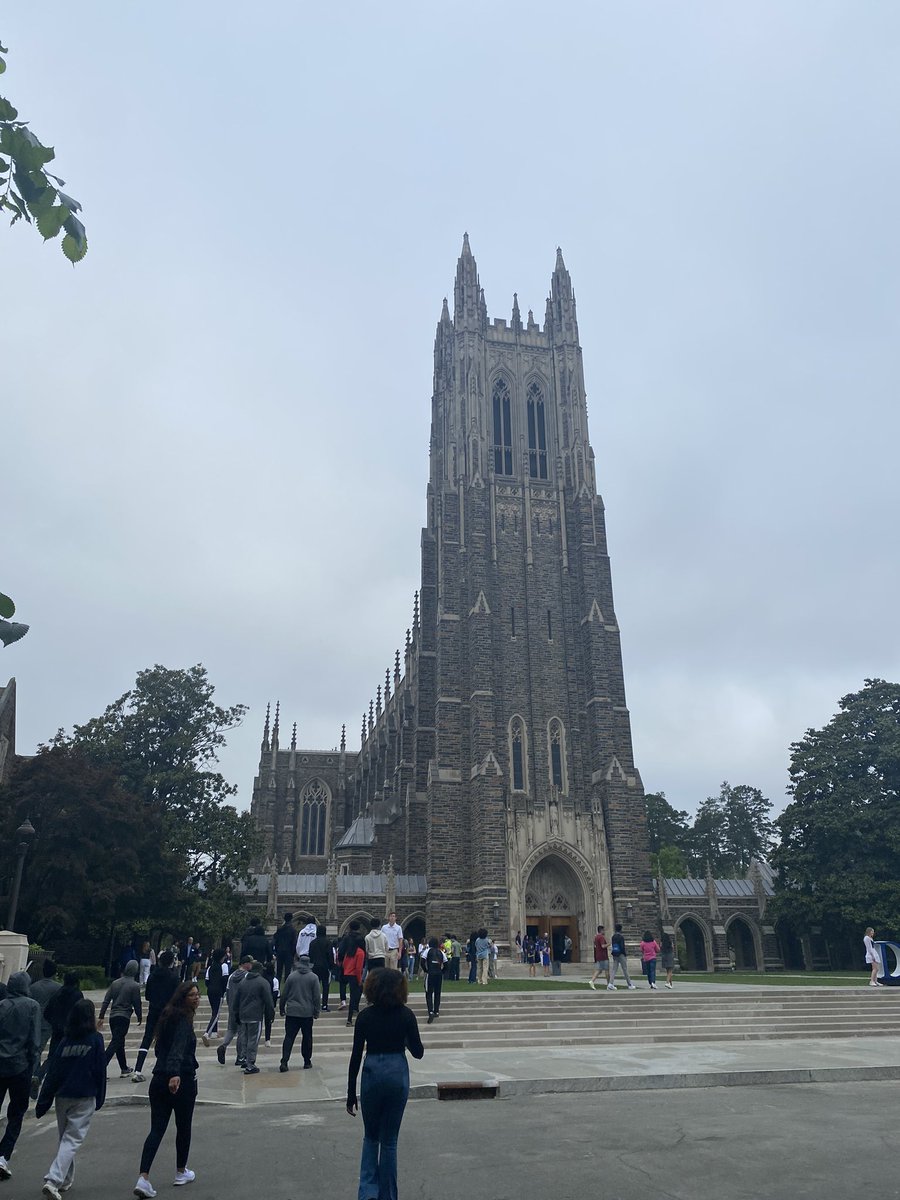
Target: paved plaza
(777, 1143)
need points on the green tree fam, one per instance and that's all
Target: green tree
(162, 738)
(840, 835)
(28, 190)
(97, 856)
(730, 830)
(669, 834)
(671, 862)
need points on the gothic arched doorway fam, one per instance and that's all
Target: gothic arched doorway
(554, 906)
(691, 942)
(741, 944)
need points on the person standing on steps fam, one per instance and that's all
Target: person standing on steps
(124, 997)
(321, 959)
(385, 1031)
(483, 955)
(650, 947)
(284, 942)
(352, 967)
(394, 935)
(301, 1002)
(76, 1080)
(253, 1003)
(216, 981)
(304, 937)
(20, 1043)
(873, 958)
(601, 957)
(173, 1088)
(160, 988)
(667, 957)
(435, 958)
(255, 943)
(376, 947)
(619, 960)
(57, 1012)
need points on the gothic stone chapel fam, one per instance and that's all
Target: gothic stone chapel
(495, 783)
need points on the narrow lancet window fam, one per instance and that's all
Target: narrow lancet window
(557, 739)
(503, 462)
(537, 433)
(314, 809)
(518, 754)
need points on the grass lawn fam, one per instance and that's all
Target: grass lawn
(783, 979)
(504, 985)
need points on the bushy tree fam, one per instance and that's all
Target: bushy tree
(840, 835)
(730, 830)
(669, 835)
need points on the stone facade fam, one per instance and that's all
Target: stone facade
(496, 759)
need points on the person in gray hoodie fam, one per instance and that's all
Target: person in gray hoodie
(252, 1003)
(20, 1045)
(123, 997)
(300, 1003)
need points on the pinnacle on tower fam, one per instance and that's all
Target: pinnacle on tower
(378, 699)
(445, 313)
(363, 729)
(265, 741)
(467, 290)
(407, 641)
(387, 686)
(516, 322)
(561, 305)
(343, 739)
(275, 726)
(416, 612)
(396, 669)
(294, 737)
(371, 715)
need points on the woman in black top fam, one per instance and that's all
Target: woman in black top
(386, 1029)
(173, 1088)
(215, 990)
(321, 959)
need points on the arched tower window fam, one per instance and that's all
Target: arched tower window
(313, 818)
(556, 737)
(503, 461)
(537, 433)
(518, 755)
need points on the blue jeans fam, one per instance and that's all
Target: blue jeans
(650, 967)
(383, 1095)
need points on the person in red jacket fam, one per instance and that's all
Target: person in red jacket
(352, 968)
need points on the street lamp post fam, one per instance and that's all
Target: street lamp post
(24, 834)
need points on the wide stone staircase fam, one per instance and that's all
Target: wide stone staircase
(482, 1020)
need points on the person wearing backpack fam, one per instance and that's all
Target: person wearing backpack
(435, 959)
(619, 960)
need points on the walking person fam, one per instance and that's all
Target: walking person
(284, 943)
(455, 956)
(75, 1081)
(483, 955)
(667, 957)
(619, 960)
(346, 943)
(352, 968)
(20, 1044)
(421, 951)
(216, 980)
(394, 935)
(873, 958)
(159, 990)
(57, 1012)
(386, 1030)
(435, 958)
(530, 951)
(376, 947)
(123, 997)
(520, 957)
(650, 947)
(272, 978)
(321, 959)
(304, 937)
(253, 1003)
(173, 1088)
(146, 963)
(301, 1002)
(545, 954)
(235, 980)
(601, 957)
(472, 956)
(43, 990)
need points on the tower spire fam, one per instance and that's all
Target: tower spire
(516, 322)
(467, 290)
(561, 305)
(265, 739)
(275, 726)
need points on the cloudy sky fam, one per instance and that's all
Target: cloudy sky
(215, 429)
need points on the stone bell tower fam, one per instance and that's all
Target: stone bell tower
(532, 803)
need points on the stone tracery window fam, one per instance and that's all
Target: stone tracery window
(537, 432)
(556, 736)
(518, 755)
(503, 462)
(313, 817)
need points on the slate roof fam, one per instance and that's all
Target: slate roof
(360, 833)
(371, 884)
(726, 889)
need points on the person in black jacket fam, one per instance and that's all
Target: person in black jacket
(158, 990)
(76, 1080)
(284, 941)
(321, 959)
(216, 979)
(173, 1088)
(256, 943)
(56, 1014)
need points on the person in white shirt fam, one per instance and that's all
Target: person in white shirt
(873, 957)
(304, 937)
(394, 936)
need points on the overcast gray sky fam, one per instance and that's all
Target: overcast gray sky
(215, 429)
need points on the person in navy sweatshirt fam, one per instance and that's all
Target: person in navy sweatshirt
(76, 1080)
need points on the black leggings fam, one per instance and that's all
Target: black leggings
(149, 1028)
(325, 980)
(162, 1105)
(433, 985)
(293, 1026)
(118, 1031)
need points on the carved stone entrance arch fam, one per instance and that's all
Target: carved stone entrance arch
(556, 903)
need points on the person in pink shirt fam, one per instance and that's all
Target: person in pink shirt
(650, 947)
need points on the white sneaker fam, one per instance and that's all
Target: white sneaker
(5, 1171)
(669, 986)
(144, 1188)
(591, 985)
(652, 987)
(51, 1191)
(205, 1039)
(611, 987)
(137, 1077)
(632, 987)
(872, 983)
(185, 1176)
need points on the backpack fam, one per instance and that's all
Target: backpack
(618, 943)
